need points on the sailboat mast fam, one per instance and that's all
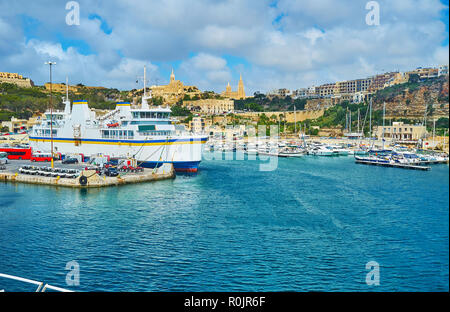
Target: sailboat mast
(295, 121)
(350, 121)
(384, 113)
(434, 131)
(370, 118)
(358, 120)
(145, 72)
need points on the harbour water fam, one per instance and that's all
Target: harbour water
(310, 225)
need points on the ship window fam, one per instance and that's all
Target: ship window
(130, 134)
(135, 114)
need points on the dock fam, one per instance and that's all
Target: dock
(90, 179)
(393, 165)
(433, 162)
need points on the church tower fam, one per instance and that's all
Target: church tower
(172, 77)
(228, 89)
(240, 91)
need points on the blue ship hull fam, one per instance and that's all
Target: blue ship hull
(179, 166)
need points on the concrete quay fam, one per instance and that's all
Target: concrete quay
(92, 179)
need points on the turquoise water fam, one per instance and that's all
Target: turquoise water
(310, 225)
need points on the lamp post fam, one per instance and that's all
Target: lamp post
(51, 108)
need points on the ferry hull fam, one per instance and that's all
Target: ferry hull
(179, 166)
(185, 154)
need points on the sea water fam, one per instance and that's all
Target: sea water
(312, 224)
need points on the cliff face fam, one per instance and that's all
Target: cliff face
(411, 99)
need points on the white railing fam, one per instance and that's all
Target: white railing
(41, 287)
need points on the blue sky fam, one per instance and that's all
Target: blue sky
(273, 44)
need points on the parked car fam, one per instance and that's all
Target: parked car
(111, 172)
(70, 160)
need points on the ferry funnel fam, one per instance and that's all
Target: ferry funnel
(80, 112)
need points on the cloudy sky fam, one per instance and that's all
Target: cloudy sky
(274, 44)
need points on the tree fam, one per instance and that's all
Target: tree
(178, 110)
(414, 78)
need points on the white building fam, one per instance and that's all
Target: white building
(442, 70)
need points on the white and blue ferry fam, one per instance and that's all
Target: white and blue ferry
(146, 134)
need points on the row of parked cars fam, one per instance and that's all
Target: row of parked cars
(130, 169)
(112, 170)
(50, 172)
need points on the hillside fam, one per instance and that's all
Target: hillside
(24, 102)
(409, 100)
(261, 103)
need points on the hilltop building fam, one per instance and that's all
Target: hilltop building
(425, 73)
(211, 106)
(442, 70)
(16, 79)
(236, 95)
(174, 91)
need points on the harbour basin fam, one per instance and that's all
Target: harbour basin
(310, 225)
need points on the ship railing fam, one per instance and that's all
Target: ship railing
(110, 114)
(41, 287)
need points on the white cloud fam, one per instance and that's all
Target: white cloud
(209, 72)
(312, 42)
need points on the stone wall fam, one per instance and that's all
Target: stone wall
(288, 116)
(24, 82)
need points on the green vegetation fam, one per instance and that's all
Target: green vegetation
(100, 98)
(178, 110)
(441, 126)
(23, 102)
(156, 101)
(260, 103)
(202, 96)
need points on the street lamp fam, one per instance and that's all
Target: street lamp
(50, 63)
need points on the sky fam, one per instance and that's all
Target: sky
(271, 43)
